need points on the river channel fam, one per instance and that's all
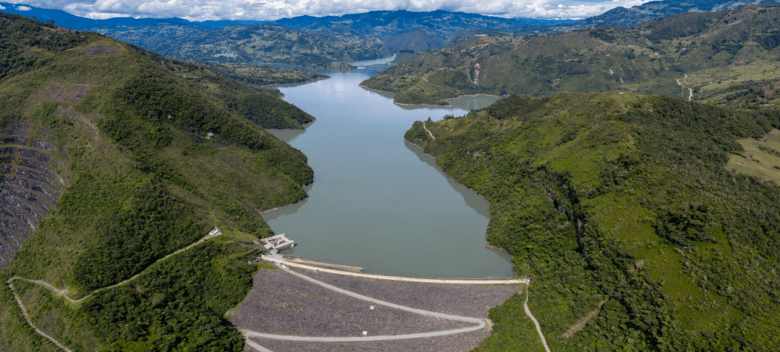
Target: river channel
(377, 201)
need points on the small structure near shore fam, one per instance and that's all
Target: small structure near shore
(278, 243)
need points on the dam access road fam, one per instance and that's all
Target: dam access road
(420, 292)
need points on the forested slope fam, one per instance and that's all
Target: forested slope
(707, 52)
(242, 91)
(110, 162)
(621, 208)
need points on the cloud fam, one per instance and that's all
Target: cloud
(23, 8)
(2, 7)
(199, 10)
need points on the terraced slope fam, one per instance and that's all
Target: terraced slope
(636, 234)
(111, 162)
(728, 47)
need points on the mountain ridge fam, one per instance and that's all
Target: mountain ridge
(110, 162)
(711, 46)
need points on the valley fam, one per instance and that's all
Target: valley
(604, 184)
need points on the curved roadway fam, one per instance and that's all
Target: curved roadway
(64, 293)
(274, 259)
(278, 259)
(429, 132)
(480, 323)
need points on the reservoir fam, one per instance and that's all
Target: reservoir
(377, 201)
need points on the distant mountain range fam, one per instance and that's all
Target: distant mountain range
(64, 19)
(262, 43)
(706, 52)
(630, 17)
(406, 30)
(321, 40)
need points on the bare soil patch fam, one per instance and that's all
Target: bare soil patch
(57, 93)
(580, 324)
(100, 50)
(71, 113)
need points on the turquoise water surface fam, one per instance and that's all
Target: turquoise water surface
(377, 201)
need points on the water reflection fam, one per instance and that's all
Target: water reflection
(382, 61)
(472, 199)
(289, 135)
(473, 102)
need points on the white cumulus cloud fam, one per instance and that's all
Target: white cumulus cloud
(23, 8)
(199, 10)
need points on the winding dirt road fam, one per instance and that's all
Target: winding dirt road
(64, 293)
(429, 132)
(690, 96)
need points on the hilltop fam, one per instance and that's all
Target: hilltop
(623, 212)
(111, 162)
(707, 52)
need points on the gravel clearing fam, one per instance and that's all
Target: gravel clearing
(464, 300)
(280, 303)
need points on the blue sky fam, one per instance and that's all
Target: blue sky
(198, 10)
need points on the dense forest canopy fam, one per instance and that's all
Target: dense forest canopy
(620, 208)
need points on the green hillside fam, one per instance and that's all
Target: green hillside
(623, 212)
(110, 162)
(242, 89)
(707, 52)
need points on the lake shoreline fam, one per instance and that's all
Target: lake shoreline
(314, 119)
(433, 105)
(488, 246)
(372, 198)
